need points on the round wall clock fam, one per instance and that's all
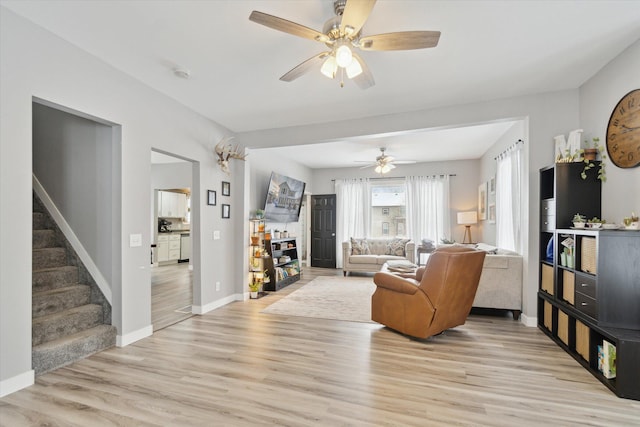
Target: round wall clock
(623, 131)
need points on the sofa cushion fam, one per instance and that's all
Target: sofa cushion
(363, 259)
(381, 259)
(359, 247)
(396, 247)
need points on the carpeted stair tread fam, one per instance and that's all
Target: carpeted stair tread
(59, 299)
(48, 257)
(54, 277)
(43, 239)
(39, 221)
(54, 326)
(63, 351)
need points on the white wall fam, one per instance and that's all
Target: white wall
(463, 186)
(598, 98)
(36, 63)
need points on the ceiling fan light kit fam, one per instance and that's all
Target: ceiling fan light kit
(342, 34)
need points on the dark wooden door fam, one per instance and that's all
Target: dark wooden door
(323, 231)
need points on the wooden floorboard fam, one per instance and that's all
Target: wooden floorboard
(238, 367)
(171, 294)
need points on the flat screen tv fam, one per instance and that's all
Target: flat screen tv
(284, 199)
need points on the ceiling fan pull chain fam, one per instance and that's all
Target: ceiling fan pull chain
(341, 77)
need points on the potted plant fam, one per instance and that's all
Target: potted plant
(589, 155)
(254, 287)
(595, 222)
(579, 220)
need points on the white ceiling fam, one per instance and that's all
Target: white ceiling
(488, 50)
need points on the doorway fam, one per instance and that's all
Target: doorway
(323, 230)
(172, 265)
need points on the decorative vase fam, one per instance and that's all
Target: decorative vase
(253, 294)
(255, 240)
(563, 259)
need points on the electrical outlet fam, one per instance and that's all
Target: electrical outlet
(217, 286)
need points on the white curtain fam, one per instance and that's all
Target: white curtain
(353, 212)
(508, 203)
(428, 208)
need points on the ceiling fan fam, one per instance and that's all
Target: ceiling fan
(342, 35)
(384, 163)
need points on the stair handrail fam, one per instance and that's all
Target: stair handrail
(73, 240)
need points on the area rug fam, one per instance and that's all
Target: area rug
(336, 298)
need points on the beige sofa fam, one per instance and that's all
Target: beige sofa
(501, 280)
(378, 251)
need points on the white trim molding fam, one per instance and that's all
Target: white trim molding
(84, 256)
(131, 337)
(532, 322)
(16, 383)
(202, 309)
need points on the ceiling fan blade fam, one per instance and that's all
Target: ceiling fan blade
(368, 166)
(305, 67)
(355, 15)
(287, 26)
(365, 79)
(404, 162)
(404, 40)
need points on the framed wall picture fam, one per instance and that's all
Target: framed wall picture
(226, 188)
(482, 201)
(211, 197)
(226, 211)
(492, 185)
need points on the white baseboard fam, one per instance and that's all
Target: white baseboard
(202, 309)
(532, 322)
(124, 340)
(16, 383)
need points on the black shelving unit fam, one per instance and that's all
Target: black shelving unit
(595, 297)
(282, 273)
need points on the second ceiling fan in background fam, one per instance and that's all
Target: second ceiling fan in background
(342, 35)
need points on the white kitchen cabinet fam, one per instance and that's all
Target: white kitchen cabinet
(174, 247)
(172, 205)
(162, 248)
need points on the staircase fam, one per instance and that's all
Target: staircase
(71, 320)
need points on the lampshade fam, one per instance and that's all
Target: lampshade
(354, 69)
(382, 169)
(330, 67)
(466, 218)
(344, 56)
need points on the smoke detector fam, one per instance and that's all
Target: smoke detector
(182, 73)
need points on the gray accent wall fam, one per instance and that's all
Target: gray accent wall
(72, 160)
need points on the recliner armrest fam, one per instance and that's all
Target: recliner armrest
(395, 283)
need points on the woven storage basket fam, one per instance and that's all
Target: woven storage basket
(588, 260)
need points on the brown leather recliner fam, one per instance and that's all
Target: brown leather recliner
(439, 297)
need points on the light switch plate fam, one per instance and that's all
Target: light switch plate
(135, 240)
(216, 235)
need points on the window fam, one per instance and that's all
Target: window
(388, 209)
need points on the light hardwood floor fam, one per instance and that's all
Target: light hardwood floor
(237, 367)
(171, 294)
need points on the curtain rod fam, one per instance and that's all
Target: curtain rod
(511, 147)
(400, 177)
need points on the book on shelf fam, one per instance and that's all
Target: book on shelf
(607, 359)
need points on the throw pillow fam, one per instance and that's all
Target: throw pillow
(359, 247)
(396, 247)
